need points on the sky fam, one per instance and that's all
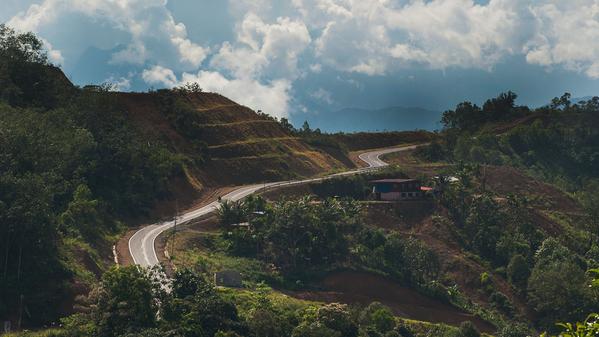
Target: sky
(299, 57)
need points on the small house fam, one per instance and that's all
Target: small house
(228, 278)
(397, 189)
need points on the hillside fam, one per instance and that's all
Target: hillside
(80, 167)
(237, 144)
(89, 163)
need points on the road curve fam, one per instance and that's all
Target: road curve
(142, 243)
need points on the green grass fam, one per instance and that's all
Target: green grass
(212, 257)
(246, 299)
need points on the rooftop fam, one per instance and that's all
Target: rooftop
(396, 181)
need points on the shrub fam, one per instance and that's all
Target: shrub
(502, 303)
(378, 316)
(518, 271)
(336, 317)
(467, 329)
(514, 330)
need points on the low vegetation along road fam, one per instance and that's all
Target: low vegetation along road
(141, 244)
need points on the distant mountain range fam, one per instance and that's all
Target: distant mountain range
(386, 119)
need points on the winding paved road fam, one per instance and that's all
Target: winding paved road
(141, 244)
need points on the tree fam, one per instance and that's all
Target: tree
(422, 263)
(26, 77)
(518, 271)
(467, 329)
(192, 87)
(287, 125)
(501, 107)
(514, 330)
(82, 215)
(231, 212)
(590, 326)
(465, 117)
(562, 102)
(21, 47)
(195, 309)
(127, 301)
(314, 329)
(306, 127)
(590, 203)
(188, 283)
(300, 234)
(482, 226)
(336, 316)
(378, 316)
(556, 286)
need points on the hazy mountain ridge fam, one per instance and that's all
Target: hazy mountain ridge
(384, 119)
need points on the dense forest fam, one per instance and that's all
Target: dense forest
(557, 143)
(70, 167)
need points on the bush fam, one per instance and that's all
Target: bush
(502, 303)
(336, 317)
(518, 271)
(467, 329)
(127, 301)
(378, 316)
(514, 330)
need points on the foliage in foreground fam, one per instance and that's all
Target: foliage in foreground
(128, 299)
(71, 166)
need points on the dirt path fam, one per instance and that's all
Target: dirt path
(362, 288)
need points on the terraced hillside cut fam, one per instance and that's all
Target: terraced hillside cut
(238, 145)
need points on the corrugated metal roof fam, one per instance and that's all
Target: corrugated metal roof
(394, 181)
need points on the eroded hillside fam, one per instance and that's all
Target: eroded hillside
(237, 145)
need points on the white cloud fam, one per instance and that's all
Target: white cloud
(154, 34)
(276, 43)
(272, 98)
(316, 68)
(54, 55)
(119, 84)
(379, 36)
(566, 34)
(263, 63)
(135, 53)
(264, 48)
(160, 75)
(323, 96)
(242, 61)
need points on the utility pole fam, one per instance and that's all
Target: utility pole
(21, 298)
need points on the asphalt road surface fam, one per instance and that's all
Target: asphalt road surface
(141, 244)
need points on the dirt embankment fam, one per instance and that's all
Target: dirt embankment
(363, 288)
(242, 146)
(505, 180)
